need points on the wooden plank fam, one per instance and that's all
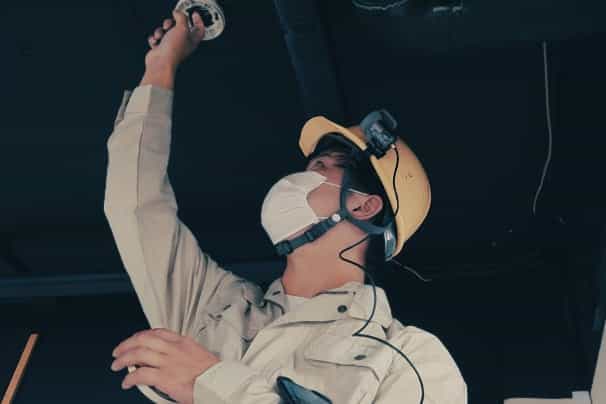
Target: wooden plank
(20, 370)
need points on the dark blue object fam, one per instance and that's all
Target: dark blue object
(294, 393)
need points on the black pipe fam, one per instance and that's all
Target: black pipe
(311, 58)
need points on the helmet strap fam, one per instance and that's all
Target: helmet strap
(286, 247)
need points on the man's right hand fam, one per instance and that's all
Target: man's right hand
(173, 42)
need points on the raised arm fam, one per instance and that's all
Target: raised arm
(172, 277)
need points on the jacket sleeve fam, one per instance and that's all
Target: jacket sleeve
(230, 382)
(172, 277)
(442, 380)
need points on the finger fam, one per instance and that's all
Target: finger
(180, 18)
(198, 25)
(146, 339)
(167, 334)
(163, 333)
(120, 347)
(141, 357)
(145, 376)
(167, 24)
(152, 41)
(197, 19)
(158, 33)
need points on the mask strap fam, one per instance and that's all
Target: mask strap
(351, 189)
(286, 247)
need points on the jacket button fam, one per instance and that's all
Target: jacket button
(342, 309)
(359, 357)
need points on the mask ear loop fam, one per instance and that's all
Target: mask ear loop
(374, 286)
(350, 189)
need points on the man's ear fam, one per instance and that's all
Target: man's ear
(366, 207)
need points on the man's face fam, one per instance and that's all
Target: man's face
(324, 200)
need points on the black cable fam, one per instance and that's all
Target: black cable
(374, 287)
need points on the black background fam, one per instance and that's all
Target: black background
(513, 292)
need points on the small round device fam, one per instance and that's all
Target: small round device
(211, 13)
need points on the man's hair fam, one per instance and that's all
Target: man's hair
(363, 178)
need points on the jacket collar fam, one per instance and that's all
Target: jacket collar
(326, 305)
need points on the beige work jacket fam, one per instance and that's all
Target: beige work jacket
(182, 288)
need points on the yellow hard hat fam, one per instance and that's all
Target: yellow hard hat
(412, 184)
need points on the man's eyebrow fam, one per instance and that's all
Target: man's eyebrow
(340, 158)
(332, 153)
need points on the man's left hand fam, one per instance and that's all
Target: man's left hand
(166, 360)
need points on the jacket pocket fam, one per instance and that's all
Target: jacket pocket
(353, 366)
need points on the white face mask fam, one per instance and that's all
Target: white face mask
(285, 209)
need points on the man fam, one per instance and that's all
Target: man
(217, 338)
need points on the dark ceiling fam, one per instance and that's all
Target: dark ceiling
(468, 92)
